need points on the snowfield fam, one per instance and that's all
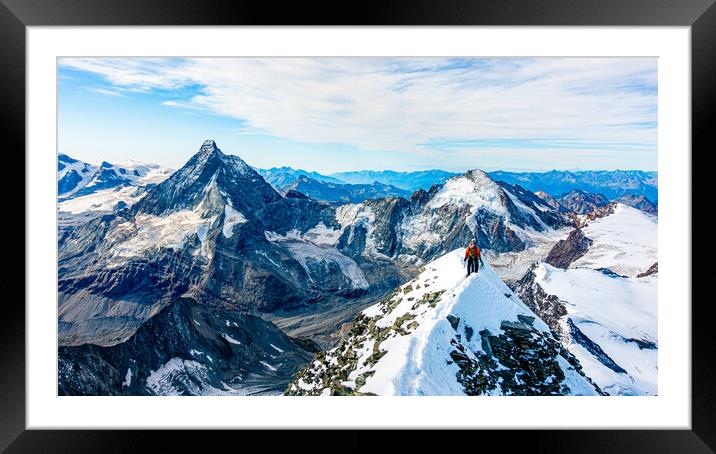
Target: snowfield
(231, 219)
(151, 233)
(104, 201)
(611, 322)
(625, 242)
(620, 315)
(186, 377)
(102, 187)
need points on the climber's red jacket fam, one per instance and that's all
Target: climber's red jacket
(472, 252)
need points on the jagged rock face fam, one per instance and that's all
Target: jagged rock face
(640, 203)
(568, 250)
(541, 207)
(433, 222)
(653, 269)
(493, 233)
(582, 202)
(548, 307)
(521, 360)
(551, 201)
(389, 213)
(186, 349)
(441, 334)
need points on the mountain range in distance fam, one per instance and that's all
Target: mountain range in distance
(609, 183)
(99, 188)
(631, 187)
(612, 184)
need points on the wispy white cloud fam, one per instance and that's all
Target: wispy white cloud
(410, 104)
(105, 91)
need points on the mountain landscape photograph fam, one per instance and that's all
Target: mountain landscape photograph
(357, 227)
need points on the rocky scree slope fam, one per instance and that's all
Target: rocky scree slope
(186, 349)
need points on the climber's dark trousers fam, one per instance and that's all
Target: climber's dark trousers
(471, 266)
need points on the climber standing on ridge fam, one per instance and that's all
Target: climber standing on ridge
(472, 256)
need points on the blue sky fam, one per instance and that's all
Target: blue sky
(338, 114)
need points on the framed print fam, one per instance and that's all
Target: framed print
(451, 216)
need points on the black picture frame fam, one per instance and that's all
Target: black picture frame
(16, 15)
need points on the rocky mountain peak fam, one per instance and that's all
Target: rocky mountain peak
(208, 147)
(479, 177)
(233, 178)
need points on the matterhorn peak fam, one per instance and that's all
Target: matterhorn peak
(209, 147)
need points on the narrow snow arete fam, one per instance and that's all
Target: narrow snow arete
(443, 334)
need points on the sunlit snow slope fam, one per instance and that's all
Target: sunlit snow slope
(445, 334)
(624, 242)
(612, 326)
(604, 305)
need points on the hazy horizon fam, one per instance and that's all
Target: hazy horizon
(98, 161)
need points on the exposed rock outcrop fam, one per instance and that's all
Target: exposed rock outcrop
(653, 269)
(548, 307)
(568, 250)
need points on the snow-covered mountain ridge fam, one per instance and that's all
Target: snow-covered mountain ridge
(86, 191)
(76, 178)
(500, 217)
(444, 334)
